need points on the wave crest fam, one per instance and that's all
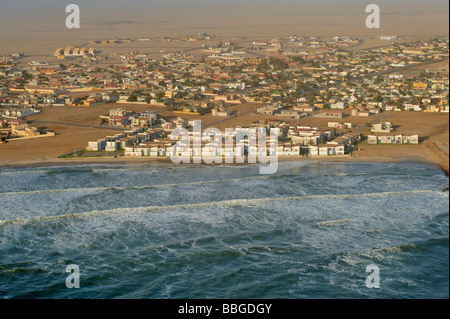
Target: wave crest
(226, 203)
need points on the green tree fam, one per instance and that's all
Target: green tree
(378, 98)
(278, 64)
(27, 76)
(160, 94)
(311, 98)
(132, 98)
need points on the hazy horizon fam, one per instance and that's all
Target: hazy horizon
(45, 19)
(22, 8)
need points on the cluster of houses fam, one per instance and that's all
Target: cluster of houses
(16, 128)
(293, 85)
(124, 139)
(325, 142)
(313, 42)
(280, 110)
(126, 119)
(71, 51)
(294, 141)
(19, 112)
(387, 138)
(341, 79)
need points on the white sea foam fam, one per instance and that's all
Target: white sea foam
(333, 222)
(97, 189)
(226, 203)
(50, 191)
(348, 174)
(23, 172)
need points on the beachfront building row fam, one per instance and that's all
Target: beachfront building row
(393, 139)
(154, 149)
(340, 145)
(301, 140)
(167, 148)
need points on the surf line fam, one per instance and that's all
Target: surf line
(225, 203)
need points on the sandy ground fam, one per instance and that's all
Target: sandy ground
(433, 129)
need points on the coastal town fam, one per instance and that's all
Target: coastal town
(323, 97)
(224, 150)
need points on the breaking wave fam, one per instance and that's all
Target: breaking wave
(97, 189)
(333, 222)
(226, 203)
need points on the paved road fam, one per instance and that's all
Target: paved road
(409, 66)
(35, 122)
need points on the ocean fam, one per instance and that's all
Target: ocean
(164, 231)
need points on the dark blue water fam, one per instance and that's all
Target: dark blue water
(164, 231)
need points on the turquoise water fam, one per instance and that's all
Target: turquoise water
(165, 231)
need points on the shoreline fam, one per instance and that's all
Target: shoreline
(130, 161)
